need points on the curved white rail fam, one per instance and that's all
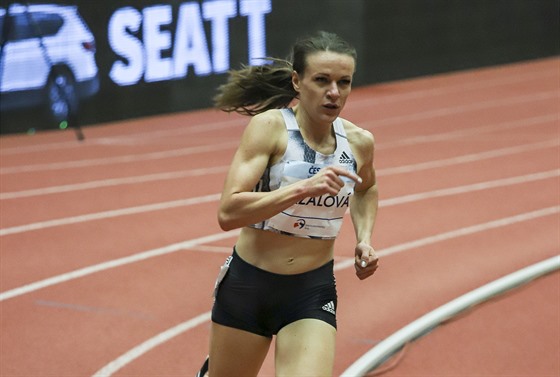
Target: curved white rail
(378, 354)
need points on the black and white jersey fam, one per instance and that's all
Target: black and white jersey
(317, 217)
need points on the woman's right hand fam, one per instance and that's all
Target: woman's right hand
(328, 181)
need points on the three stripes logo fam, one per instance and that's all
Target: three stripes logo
(344, 158)
(329, 308)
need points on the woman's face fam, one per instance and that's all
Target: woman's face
(325, 85)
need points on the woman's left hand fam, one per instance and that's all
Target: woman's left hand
(366, 261)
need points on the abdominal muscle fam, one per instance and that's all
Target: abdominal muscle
(282, 254)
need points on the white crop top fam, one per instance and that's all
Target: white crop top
(319, 217)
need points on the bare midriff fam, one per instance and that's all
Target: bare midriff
(283, 254)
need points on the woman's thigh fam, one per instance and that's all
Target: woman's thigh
(305, 348)
(236, 352)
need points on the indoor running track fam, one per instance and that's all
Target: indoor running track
(110, 246)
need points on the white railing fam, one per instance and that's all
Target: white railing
(383, 350)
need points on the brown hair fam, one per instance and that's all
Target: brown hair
(254, 89)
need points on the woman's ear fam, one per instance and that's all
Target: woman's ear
(295, 81)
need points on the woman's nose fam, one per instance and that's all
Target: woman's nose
(333, 92)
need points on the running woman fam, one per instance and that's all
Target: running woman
(298, 169)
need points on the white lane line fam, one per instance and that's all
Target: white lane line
(374, 100)
(471, 230)
(119, 159)
(149, 137)
(126, 139)
(518, 123)
(221, 169)
(473, 157)
(214, 197)
(109, 214)
(113, 182)
(461, 232)
(116, 263)
(445, 111)
(129, 356)
(472, 187)
(461, 88)
(152, 343)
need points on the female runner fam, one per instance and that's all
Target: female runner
(298, 169)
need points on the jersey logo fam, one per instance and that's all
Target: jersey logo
(329, 308)
(344, 158)
(299, 224)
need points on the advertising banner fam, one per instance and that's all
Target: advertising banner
(86, 62)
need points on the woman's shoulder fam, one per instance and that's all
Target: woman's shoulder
(358, 136)
(266, 130)
(271, 118)
(361, 142)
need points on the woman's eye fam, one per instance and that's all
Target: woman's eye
(321, 79)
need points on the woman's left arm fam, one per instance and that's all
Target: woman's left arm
(364, 203)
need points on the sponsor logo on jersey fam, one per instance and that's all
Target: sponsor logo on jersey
(344, 158)
(299, 224)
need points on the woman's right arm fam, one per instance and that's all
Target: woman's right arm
(239, 205)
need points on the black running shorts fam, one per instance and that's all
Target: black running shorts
(262, 302)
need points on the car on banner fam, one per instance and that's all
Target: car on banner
(47, 58)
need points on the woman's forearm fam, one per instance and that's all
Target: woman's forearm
(363, 210)
(246, 208)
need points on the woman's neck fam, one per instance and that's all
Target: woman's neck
(320, 137)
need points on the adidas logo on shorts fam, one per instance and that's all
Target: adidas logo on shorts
(329, 308)
(344, 158)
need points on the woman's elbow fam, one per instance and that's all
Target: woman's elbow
(225, 221)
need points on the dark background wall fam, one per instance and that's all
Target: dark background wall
(417, 37)
(395, 39)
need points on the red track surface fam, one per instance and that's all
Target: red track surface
(472, 158)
